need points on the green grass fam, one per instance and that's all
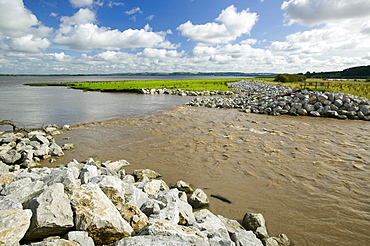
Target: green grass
(137, 85)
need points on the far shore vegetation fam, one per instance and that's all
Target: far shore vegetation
(137, 85)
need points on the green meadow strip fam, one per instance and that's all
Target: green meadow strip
(137, 85)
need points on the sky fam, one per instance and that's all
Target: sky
(131, 36)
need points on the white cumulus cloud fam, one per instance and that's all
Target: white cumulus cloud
(81, 3)
(80, 32)
(20, 30)
(83, 16)
(229, 26)
(312, 12)
(90, 36)
(15, 19)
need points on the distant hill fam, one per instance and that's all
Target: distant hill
(362, 72)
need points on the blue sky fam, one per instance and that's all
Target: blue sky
(114, 36)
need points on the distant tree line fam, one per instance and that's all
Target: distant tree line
(362, 72)
(285, 77)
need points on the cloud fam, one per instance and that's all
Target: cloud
(159, 53)
(112, 4)
(20, 30)
(232, 25)
(346, 38)
(80, 32)
(81, 3)
(134, 11)
(83, 16)
(313, 12)
(15, 19)
(90, 36)
(27, 43)
(150, 17)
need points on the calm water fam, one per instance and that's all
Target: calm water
(34, 106)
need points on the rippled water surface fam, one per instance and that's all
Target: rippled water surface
(309, 177)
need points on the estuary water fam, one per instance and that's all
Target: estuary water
(309, 177)
(32, 107)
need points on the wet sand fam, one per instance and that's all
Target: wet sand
(308, 176)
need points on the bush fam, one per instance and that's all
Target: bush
(289, 78)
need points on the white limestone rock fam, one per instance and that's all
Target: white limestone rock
(161, 228)
(238, 234)
(80, 237)
(213, 227)
(23, 190)
(97, 215)
(52, 213)
(199, 199)
(14, 222)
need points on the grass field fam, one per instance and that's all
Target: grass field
(358, 88)
(136, 85)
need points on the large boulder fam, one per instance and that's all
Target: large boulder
(175, 210)
(4, 168)
(199, 199)
(55, 241)
(256, 223)
(154, 186)
(162, 228)
(55, 150)
(133, 215)
(116, 165)
(66, 176)
(280, 240)
(238, 234)
(80, 237)
(154, 241)
(88, 172)
(10, 157)
(139, 174)
(22, 190)
(212, 227)
(112, 187)
(52, 213)
(134, 195)
(183, 186)
(14, 222)
(97, 215)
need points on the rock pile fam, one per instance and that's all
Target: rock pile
(26, 149)
(98, 204)
(184, 93)
(261, 98)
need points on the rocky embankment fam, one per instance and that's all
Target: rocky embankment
(92, 203)
(184, 93)
(261, 98)
(28, 148)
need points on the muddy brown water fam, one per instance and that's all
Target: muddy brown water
(309, 177)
